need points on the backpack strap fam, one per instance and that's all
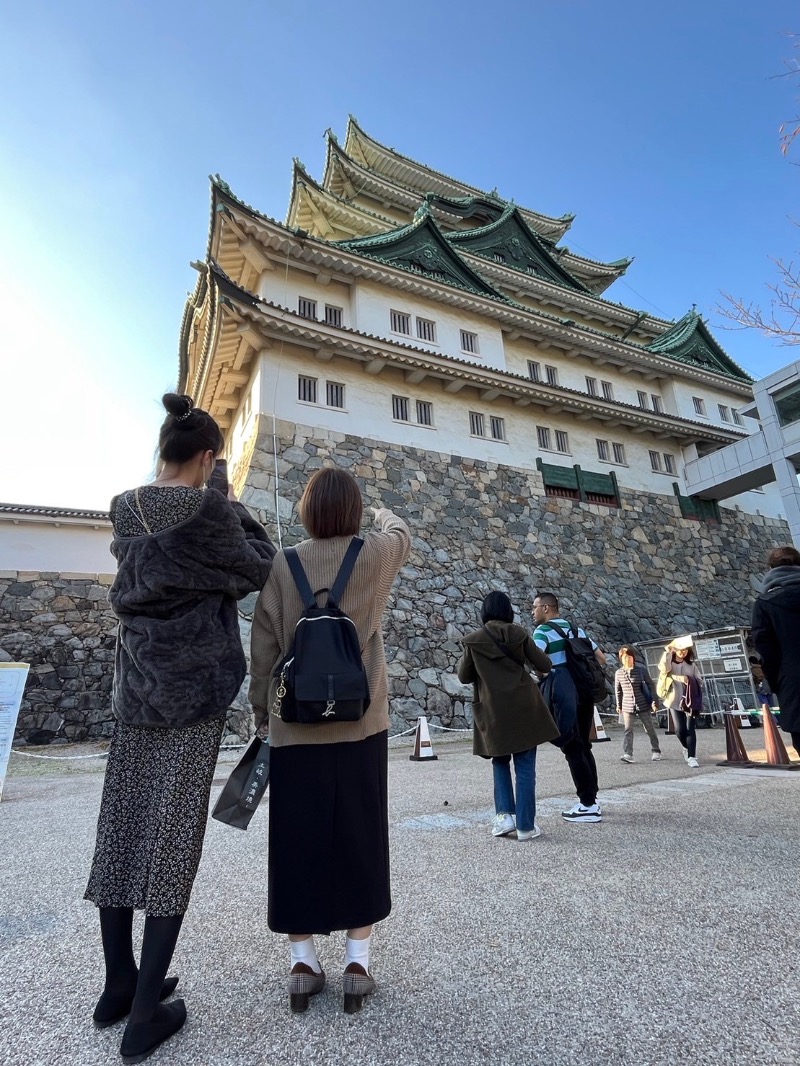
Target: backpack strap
(558, 630)
(345, 570)
(300, 579)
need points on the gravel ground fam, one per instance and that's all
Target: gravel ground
(665, 934)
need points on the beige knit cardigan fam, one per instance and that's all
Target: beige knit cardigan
(279, 608)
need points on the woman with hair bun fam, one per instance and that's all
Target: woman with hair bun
(510, 717)
(185, 555)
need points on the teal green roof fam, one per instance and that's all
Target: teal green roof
(690, 341)
(422, 248)
(510, 240)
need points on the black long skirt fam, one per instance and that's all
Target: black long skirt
(328, 836)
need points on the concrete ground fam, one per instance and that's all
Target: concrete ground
(667, 934)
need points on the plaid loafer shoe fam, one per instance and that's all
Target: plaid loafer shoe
(304, 983)
(357, 984)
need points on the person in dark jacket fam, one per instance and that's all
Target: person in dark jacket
(775, 634)
(185, 555)
(510, 717)
(634, 692)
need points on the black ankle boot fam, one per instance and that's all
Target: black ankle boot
(114, 1005)
(141, 1039)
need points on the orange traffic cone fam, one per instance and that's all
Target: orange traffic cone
(736, 753)
(423, 749)
(777, 755)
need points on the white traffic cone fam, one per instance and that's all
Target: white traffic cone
(423, 749)
(743, 716)
(598, 733)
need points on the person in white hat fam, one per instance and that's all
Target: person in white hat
(680, 687)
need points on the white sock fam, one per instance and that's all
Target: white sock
(357, 951)
(305, 951)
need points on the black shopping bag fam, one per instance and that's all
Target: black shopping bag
(245, 787)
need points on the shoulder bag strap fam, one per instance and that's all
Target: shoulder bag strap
(503, 648)
(345, 570)
(140, 515)
(300, 579)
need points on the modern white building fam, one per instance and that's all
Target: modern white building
(770, 456)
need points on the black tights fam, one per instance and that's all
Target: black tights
(795, 741)
(684, 727)
(158, 944)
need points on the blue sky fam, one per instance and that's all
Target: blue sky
(657, 125)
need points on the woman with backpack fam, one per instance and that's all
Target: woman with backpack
(328, 810)
(680, 687)
(185, 555)
(634, 691)
(510, 717)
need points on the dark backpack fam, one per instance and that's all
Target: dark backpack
(322, 678)
(584, 669)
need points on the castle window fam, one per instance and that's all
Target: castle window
(543, 438)
(669, 463)
(602, 450)
(335, 393)
(737, 418)
(591, 386)
(306, 308)
(426, 330)
(699, 405)
(618, 451)
(400, 408)
(608, 390)
(469, 342)
(655, 462)
(534, 370)
(498, 427)
(562, 441)
(498, 257)
(401, 322)
(642, 398)
(477, 424)
(306, 389)
(333, 315)
(724, 412)
(424, 413)
(552, 375)
(658, 407)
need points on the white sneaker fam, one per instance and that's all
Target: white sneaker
(579, 813)
(685, 754)
(626, 758)
(656, 756)
(531, 834)
(502, 824)
(693, 763)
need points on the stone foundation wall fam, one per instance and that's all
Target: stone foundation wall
(634, 573)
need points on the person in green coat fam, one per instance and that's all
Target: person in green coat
(510, 717)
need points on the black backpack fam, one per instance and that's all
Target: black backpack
(322, 678)
(584, 669)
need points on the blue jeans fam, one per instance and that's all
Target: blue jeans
(525, 773)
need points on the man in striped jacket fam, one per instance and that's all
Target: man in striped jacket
(577, 748)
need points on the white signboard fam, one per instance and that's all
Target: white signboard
(707, 649)
(12, 685)
(733, 666)
(734, 648)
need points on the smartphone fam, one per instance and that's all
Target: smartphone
(219, 477)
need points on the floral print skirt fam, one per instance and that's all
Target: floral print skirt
(153, 816)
